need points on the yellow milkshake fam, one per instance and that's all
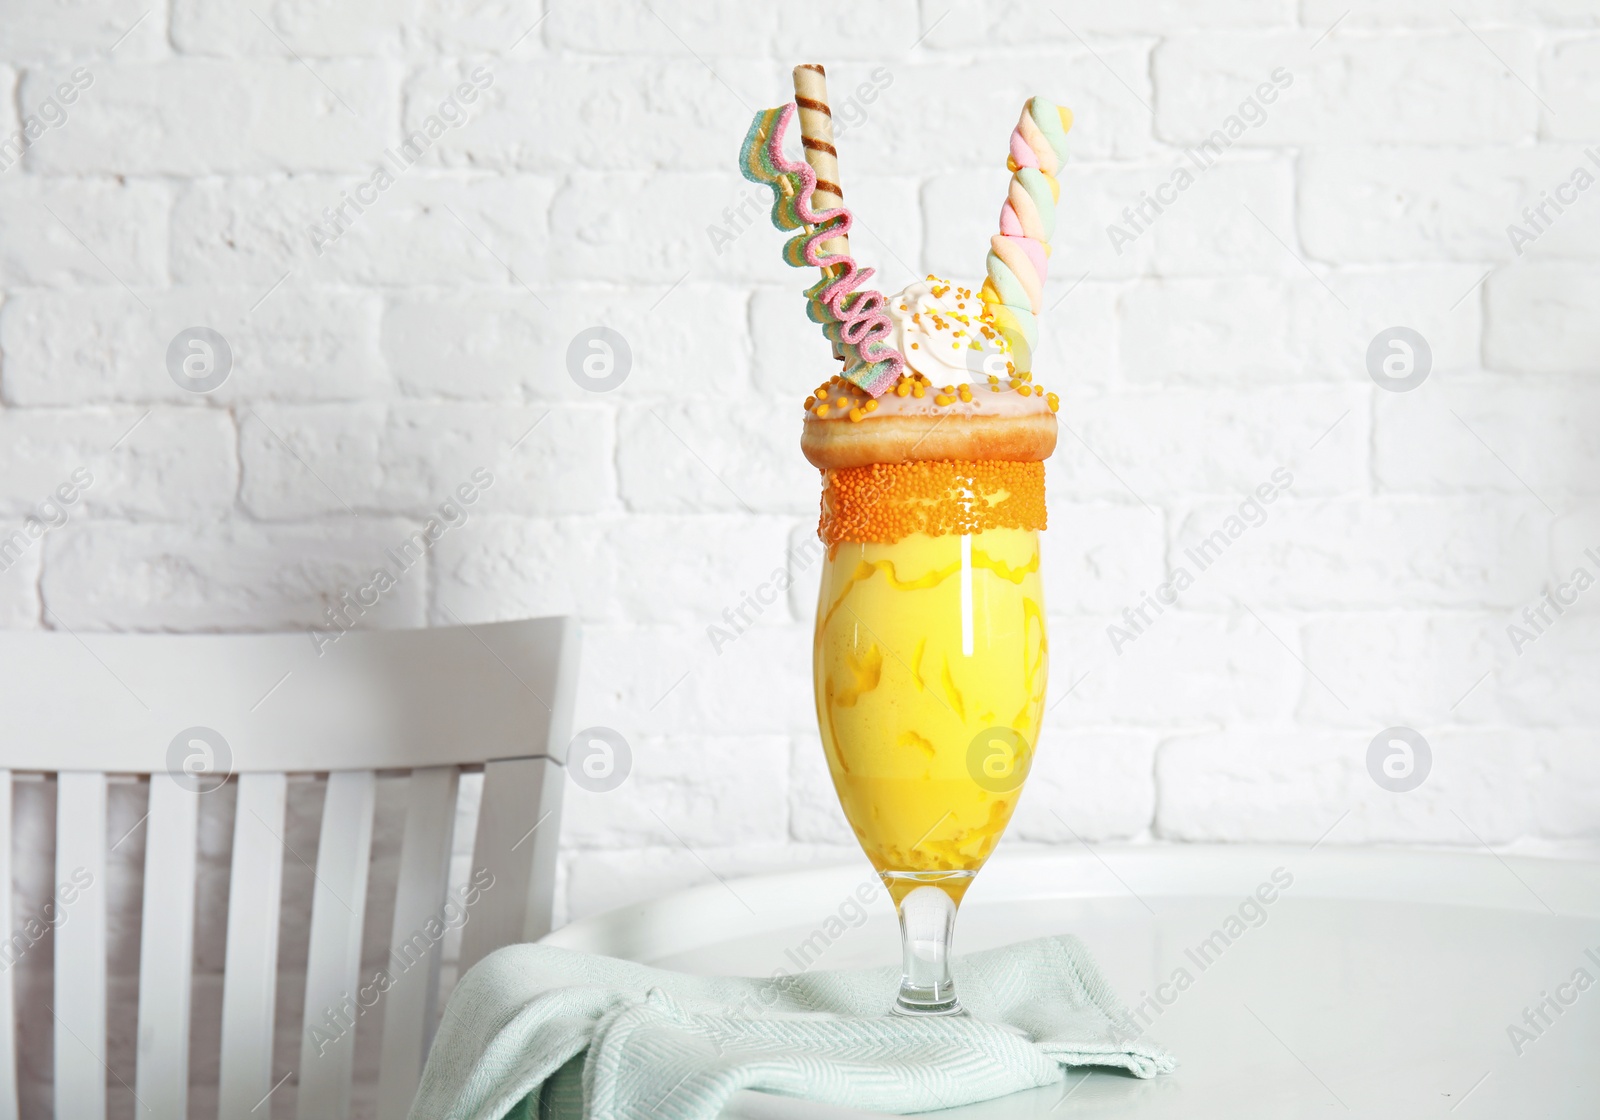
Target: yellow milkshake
(925, 648)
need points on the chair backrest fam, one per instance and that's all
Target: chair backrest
(192, 712)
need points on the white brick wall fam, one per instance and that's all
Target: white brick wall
(1227, 340)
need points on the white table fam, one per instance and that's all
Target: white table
(1381, 983)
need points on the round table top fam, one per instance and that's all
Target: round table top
(1379, 982)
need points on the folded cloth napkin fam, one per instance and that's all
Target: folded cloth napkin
(544, 1033)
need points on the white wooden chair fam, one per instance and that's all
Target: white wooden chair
(427, 704)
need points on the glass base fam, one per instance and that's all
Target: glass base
(926, 1001)
(927, 901)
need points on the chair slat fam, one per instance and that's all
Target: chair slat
(250, 969)
(333, 962)
(166, 948)
(80, 968)
(416, 937)
(379, 699)
(519, 827)
(8, 955)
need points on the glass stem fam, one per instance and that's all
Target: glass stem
(927, 925)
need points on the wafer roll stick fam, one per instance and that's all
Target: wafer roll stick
(816, 135)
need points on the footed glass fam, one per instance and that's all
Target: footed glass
(930, 670)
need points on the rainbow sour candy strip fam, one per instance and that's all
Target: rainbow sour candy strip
(853, 318)
(1014, 290)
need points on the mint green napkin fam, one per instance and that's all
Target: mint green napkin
(539, 1032)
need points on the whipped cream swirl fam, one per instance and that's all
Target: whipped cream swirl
(940, 330)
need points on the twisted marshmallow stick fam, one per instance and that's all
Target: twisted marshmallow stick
(1014, 290)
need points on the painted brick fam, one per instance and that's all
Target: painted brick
(181, 117)
(814, 813)
(100, 345)
(1097, 558)
(425, 228)
(1292, 787)
(1416, 669)
(598, 231)
(231, 28)
(1146, 446)
(1417, 13)
(1524, 438)
(1572, 536)
(1015, 24)
(1180, 669)
(1079, 335)
(234, 576)
(636, 569)
(19, 589)
(957, 227)
(489, 26)
(723, 27)
(1088, 785)
(1539, 321)
(937, 117)
(1460, 552)
(502, 344)
(1566, 72)
(311, 461)
(689, 791)
(669, 680)
(1403, 203)
(75, 233)
(677, 115)
(1398, 88)
(163, 464)
(45, 34)
(670, 459)
(1433, 670)
(497, 567)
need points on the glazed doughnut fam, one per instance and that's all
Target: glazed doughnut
(993, 424)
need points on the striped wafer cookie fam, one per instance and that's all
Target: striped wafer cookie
(816, 135)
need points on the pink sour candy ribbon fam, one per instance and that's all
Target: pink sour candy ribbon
(854, 318)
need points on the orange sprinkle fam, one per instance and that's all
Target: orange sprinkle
(856, 416)
(811, 403)
(1053, 401)
(941, 399)
(885, 502)
(822, 411)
